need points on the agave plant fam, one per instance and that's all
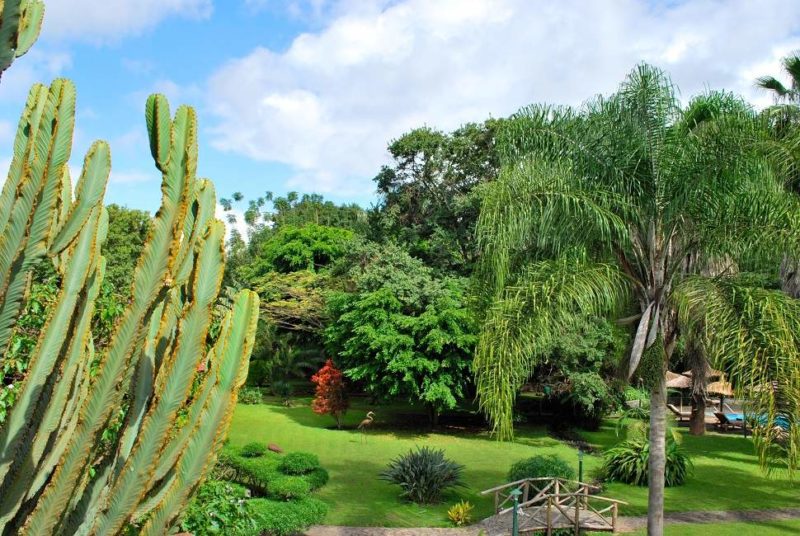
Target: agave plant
(61, 470)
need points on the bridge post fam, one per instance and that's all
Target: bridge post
(614, 518)
(514, 519)
(577, 515)
(549, 516)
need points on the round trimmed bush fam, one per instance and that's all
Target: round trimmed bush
(281, 518)
(541, 467)
(287, 488)
(317, 478)
(628, 463)
(253, 450)
(299, 463)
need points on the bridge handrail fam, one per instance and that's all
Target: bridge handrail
(537, 479)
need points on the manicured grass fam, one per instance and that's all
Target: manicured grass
(765, 528)
(726, 476)
(356, 495)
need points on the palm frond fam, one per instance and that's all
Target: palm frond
(524, 322)
(538, 208)
(752, 334)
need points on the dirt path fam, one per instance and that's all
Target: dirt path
(627, 524)
(325, 530)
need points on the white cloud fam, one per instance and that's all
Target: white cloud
(329, 103)
(38, 65)
(111, 20)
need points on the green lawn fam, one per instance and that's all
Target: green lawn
(767, 528)
(726, 475)
(356, 495)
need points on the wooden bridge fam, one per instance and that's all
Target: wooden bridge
(546, 504)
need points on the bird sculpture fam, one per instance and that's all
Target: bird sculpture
(365, 424)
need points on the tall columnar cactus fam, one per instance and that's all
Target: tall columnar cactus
(20, 23)
(54, 479)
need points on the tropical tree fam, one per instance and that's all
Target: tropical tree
(402, 333)
(616, 209)
(791, 66)
(782, 121)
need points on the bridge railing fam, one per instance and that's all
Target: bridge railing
(558, 503)
(534, 489)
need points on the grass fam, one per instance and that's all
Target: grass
(356, 495)
(726, 475)
(762, 528)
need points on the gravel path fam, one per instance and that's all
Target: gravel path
(627, 524)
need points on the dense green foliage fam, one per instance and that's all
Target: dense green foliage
(429, 194)
(281, 486)
(311, 247)
(253, 450)
(628, 463)
(424, 474)
(299, 463)
(282, 518)
(402, 332)
(218, 507)
(541, 467)
(127, 232)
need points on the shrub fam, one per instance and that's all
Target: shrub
(628, 463)
(541, 467)
(287, 488)
(460, 513)
(317, 478)
(283, 390)
(330, 396)
(255, 473)
(299, 463)
(423, 474)
(218, 508)
(280, 518)
(253, 450)
(250, 395)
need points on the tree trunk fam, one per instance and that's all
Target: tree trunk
(697, 423)
(658, 432)
(433, 416)
(790, 276)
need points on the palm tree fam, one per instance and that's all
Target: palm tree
(617, 209)
(791, 66)
(783, 123)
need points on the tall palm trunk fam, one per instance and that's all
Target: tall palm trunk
(697, 423)
(658, 462)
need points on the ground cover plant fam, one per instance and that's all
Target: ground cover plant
(256, 491)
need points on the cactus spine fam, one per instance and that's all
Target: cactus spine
(53, 479)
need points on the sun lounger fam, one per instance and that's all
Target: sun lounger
(726, 423)
(683, 416)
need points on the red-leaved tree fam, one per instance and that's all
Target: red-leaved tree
(330, 397)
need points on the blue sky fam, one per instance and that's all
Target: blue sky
(304, 94)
